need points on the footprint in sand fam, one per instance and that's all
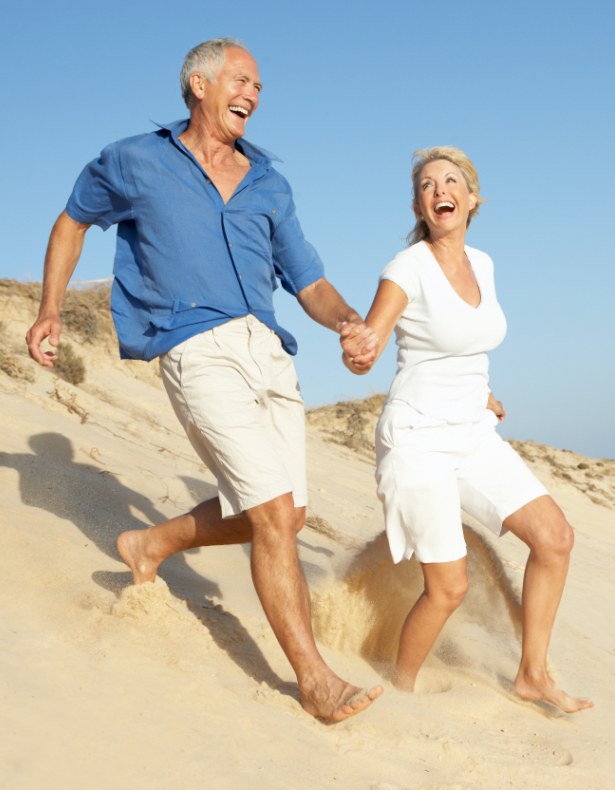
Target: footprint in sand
(540, 752)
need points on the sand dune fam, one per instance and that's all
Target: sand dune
(181, 684)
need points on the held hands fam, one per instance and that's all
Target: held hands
(359, 346)
(44, 327)
(496, 407)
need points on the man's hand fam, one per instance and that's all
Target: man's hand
(63, 251)
(324, 304)
(44, 327)
(359, 345)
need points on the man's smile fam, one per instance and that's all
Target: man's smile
(238, 110)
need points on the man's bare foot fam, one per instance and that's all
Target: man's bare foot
(547, 691)
(132, 547)
(338, 702)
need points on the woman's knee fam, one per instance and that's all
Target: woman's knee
(544, 528)
(456, 593)
(561, 538)
(448, 592)
(553, 540)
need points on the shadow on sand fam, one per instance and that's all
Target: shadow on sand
(99, 505)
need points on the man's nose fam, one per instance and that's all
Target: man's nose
(251, 93)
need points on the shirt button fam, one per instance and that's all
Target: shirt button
(230, 244)
(193, 304)
(274, 211)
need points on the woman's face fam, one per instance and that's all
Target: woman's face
(443, 199)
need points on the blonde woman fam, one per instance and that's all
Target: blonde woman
(437, 448)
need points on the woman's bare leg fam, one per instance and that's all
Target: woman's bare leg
(543, 527)
(446, 584)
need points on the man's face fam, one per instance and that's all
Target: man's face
(232, 97)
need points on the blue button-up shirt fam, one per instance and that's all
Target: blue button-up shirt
(185, 261)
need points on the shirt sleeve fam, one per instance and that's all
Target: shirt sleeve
(402, 270)
(296, 262)
(99, 195)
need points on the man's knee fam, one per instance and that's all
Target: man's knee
(275, 517)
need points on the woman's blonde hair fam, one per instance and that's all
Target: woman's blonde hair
(470, 176)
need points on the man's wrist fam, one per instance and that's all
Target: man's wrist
(349, 318)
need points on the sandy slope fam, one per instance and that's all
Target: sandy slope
(181, 684)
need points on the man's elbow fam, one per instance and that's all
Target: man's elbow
(310, 292)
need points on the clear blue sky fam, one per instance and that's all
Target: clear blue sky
(350, 90)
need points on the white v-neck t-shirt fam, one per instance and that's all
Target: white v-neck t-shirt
(442, 364)
(437, 450)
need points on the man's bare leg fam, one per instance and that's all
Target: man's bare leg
(143, 550)
(282, 589)
(542, 526)
(284, 594)
(446, 584)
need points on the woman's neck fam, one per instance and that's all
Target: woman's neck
(449, 249)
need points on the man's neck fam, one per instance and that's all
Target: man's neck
(207, 148)
(225, 165)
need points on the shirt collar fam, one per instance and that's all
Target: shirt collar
(254, 153)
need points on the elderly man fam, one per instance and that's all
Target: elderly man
(205, 226)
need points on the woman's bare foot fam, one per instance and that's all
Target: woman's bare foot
(545, 690)
(402, 681)
(339, 701)
(133, 549)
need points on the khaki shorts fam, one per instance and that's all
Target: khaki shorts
(427, 475)
(235, 392)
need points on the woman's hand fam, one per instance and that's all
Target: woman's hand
(359, 346)
(388, 305)
(496, 407)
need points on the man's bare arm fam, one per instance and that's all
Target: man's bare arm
(325, 305)
(63, 251)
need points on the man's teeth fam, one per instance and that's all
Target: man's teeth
(239, 110)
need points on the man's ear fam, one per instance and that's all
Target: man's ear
(197, 85)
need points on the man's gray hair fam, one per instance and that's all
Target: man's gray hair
(206, 59)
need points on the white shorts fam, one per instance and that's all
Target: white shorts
(235, 392)
(426, 475)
